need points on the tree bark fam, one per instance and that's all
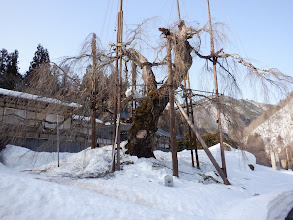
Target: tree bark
(145, 122)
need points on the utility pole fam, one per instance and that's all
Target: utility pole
(117, 96)
(217, 91)
(172, 110)
(119, 48)
(94, 92)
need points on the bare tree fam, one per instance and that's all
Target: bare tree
(141, 134)
(145, 121)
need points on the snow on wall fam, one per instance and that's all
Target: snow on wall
(36, 97)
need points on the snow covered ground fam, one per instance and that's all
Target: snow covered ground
(33, 187)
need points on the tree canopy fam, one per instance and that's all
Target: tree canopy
(9, 75)
(41, 57)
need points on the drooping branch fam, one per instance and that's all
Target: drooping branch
(273, 76)
(266, 74)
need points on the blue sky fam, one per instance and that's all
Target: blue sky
(261, 30)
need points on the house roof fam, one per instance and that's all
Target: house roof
(161, 132)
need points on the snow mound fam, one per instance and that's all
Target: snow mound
(87, 163)
(96, 163)
(21, 158)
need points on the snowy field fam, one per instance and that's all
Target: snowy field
(33, 187)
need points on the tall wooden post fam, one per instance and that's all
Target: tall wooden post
(94, 92)
(133, 87)
(189, 129)
(119, 44)
(114, 141)
(178, 10)
(192, 118)
(217, 92)
(118, 84)
(172, 110)
(58, 140)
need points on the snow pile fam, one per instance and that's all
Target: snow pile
(87, 163)
(138, 191)
(21, 158)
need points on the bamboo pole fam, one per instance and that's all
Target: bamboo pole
(217, 91)
(205, 147)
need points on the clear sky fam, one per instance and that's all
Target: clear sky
(261, 30)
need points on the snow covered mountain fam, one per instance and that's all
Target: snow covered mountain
(236, 113)
(275, 126)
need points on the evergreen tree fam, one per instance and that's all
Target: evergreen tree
(40, 58)
(3, 61)
(9, 75)
(42, 78)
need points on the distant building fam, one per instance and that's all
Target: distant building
(31, 121)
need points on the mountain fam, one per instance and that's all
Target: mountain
(237, 114)
(275, 126)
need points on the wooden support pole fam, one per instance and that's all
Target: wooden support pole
(172, 110)
(217, 91)
(58, 140)
(178, 10)
(189, 129)
(205, 147)
(192, 118)
(94, 92)
(133, 87)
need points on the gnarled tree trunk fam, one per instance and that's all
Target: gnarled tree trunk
(145, 122)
